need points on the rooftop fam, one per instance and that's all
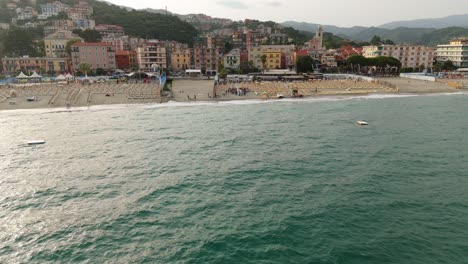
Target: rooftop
(92, 44)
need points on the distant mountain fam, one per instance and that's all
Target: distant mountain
(438, 23)
(442, 36)
(311, 27)
(398, 35)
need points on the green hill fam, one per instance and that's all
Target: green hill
(144, 24)
(136, 23)
(442, 36)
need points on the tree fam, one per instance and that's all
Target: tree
(100, 71)
(18, 42)
(89, 35)
(448, 66)
(69, 44)
(376, 40)
(357, 60)
(263, 58)
(84, 68)
(304, 64)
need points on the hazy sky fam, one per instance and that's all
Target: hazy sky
(334, 12)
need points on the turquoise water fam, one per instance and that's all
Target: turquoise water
(279, 182)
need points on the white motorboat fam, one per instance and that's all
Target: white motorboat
(362, 123)
(36, 142)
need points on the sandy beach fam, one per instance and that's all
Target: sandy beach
(72, 95)
(63, 95)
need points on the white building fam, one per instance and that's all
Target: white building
(456, 51)
(232, 59)
(410, 56)
(151, 54)
(52, 9)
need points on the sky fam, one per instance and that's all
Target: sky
(346, 13)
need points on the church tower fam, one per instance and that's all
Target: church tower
(319, 38)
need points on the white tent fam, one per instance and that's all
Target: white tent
(69, 77)
(35, 76)
(60, 78)
(22, 76)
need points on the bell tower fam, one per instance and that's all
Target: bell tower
(319, 37)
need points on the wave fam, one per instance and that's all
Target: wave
(170, 104)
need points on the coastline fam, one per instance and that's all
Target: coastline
(197, 92)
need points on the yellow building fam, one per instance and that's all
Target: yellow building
(273, 59)
(282, 56)
(55, 44)
(180, 61)
(40, 65)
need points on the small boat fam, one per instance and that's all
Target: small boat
(280, 96)
(362, 123)
(36, 142)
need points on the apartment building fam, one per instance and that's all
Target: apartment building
(205, 59)
(98, 55)
(180, 60)
(456, 51)
(232, 60)
(55, 44)
(286, 58)
(126, 59)
(52, 9)
(110, 30)
(40, 65)
(150, 55)
(410, 56)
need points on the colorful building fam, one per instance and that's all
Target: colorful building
(180, 60)
(204, 59)
(126, 60)
(56, 43)
(41, 65)
(273, 59)
(98, 55)
(286, 58)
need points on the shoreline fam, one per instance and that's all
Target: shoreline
(240, 101)
(72, 97)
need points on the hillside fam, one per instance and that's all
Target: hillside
(437, 23)
(144, 24)
(399, 35)
(442, 36)
(311, 27)
(136, 23)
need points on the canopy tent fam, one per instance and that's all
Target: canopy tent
(35, 76)
(60, 78)
(22, 76)
(69, 77)
(142, 75)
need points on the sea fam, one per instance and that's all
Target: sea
(293, 181)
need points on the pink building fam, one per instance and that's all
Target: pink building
(98, 55)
